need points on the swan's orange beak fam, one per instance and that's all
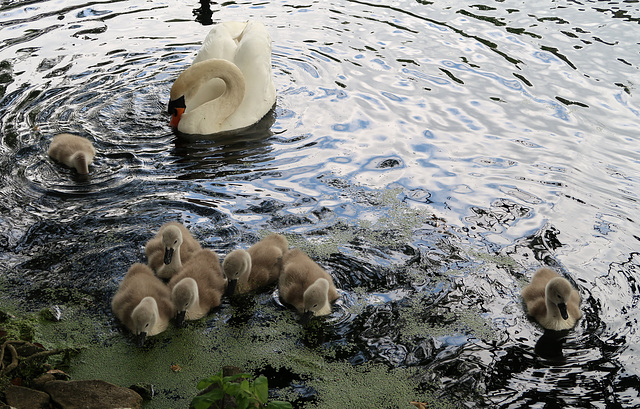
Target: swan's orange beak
(176, 109)
(175, 117)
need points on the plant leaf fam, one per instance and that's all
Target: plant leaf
(262, 388)
(242, 402)
(277, 404)
(201, 402)
(232, 389)
(236, 376)
(214, 395)
(245, 386)
(204, 383)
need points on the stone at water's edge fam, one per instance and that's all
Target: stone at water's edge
(21, 397)
(101, 394)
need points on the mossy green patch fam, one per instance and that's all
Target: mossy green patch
(275, 341)
(370, 386)
(18, 327)
(497, 259)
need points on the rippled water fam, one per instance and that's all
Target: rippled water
(444, 151)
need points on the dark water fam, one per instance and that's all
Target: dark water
(431, 155)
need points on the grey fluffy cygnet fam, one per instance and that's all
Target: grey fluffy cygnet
(552, 301)
(143, 303)
(199, 287)
(73, 151)
(305, 285)
(256, 267)
(172, 246)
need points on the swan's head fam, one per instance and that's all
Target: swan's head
(176, 109)
(235, 264)
(214, 87)
(171, 240)
(184, 295)
(558, 291)
(144, 318)
(315, 300)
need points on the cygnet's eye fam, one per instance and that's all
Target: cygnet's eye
(146, 325)
(315, 305)
(175, 242)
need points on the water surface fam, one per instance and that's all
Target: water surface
(431, 155)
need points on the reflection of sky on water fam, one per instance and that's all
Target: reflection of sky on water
(515, 125)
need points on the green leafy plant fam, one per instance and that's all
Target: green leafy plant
(248, 393)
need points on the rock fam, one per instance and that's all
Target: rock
(51, 375)
(53, 313)
(21, 397)
(38, 383)
(146, 390)
(101, 394)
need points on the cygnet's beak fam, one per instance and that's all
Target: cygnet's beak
(563, 310)
(306, 317)
(231, 287)
(140, 338)
(168, 255)
(180, 318)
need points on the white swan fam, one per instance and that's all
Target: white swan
(230, 84)
(552, 300)
(72, 150)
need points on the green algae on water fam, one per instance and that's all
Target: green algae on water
(202, 347)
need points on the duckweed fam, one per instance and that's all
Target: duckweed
(257, 335)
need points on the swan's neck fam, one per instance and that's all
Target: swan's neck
(193, 292)
(553, 320)
(80, 162)
(176, 261)
(326, 307)
(200, 117)
(148, 309)
(553, 312)
(319, 290)
(190, 287)
(168, 270)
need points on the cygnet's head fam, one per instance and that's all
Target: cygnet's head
(183, 296)
(558, 291)
(144, 318)
(171, 240)
(315, 300)
(235, 264)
